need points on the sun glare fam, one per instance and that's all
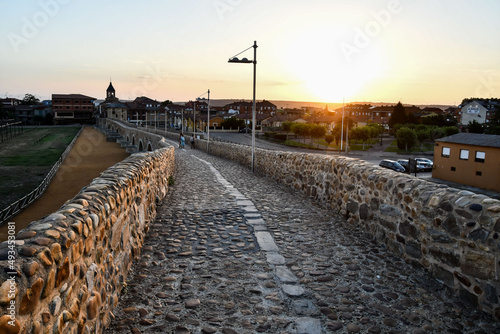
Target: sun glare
(326, 72)
(332, 80)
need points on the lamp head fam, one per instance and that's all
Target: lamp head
(236, 60)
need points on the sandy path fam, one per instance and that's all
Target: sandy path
(88, 158)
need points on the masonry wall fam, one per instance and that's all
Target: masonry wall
(453, 234)
(70, 266)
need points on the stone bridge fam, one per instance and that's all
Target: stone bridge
(307, 244)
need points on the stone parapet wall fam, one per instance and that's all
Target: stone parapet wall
(70, 267)
(453, 234)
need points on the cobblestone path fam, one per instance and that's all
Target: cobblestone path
(231, 252)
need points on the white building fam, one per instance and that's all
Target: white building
(473, 111)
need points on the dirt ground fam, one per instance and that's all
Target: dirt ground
(28, 157)
(89, 157)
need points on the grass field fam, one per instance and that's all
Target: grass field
(419, 148)
(354, 145)
(27, 158)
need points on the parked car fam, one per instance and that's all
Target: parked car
(425, 164)
(392, 165)
(246, 130)
(405, 164)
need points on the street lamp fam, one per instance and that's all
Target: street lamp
(208, 115)
(166, 111)
(194, 119)
(254, 61)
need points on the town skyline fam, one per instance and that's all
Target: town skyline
(423, 53)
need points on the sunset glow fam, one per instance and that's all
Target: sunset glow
(322, 50)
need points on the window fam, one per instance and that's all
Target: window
(445, 152)
(453, 169)
(464, 154)
(480, 156)
(479, 173)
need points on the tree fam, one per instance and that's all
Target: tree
(475, 127)
(287, 127)
(494, 125)
(30, 99)
(317, 131)
(436, 133)
(413, 119)
(450, 130)
(375, 129)
(437, 120)
(396, 128)
(300, 130)
(398, 116)
(329, 139)
(233, 123)
(362, 133)
(166, 103)
(336, 133)
(422, 134)
(406, 138)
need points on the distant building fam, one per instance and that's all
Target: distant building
(481, 111)
(72, 108)
(8, 101)
(33, 114)
(144, 109)
(260, 119)
(277, 120)
(265, 107)
(243, 107)
(327, 121)
(452, 113)
(360, 113)
(111, 94)
(239, 107)
(112, 107)
(468, 158)
(382, 114)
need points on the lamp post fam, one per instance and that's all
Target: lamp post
(166, 111)
(254, 61)
(194, 119)
(342, 127)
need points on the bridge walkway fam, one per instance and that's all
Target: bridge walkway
(232, 252)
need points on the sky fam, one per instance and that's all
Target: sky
(413, 51)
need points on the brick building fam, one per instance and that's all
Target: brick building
(73, 108)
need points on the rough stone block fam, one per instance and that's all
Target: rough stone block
(446, 256)
(450, 224)
(6, 328)
(444, 275)
(49, 284)
(5, 292)
(62, 272)
(31, 298)
(93, 305)
(413, 249)
(408, 230)
(439, 236)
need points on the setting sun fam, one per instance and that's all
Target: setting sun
(328, 74)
